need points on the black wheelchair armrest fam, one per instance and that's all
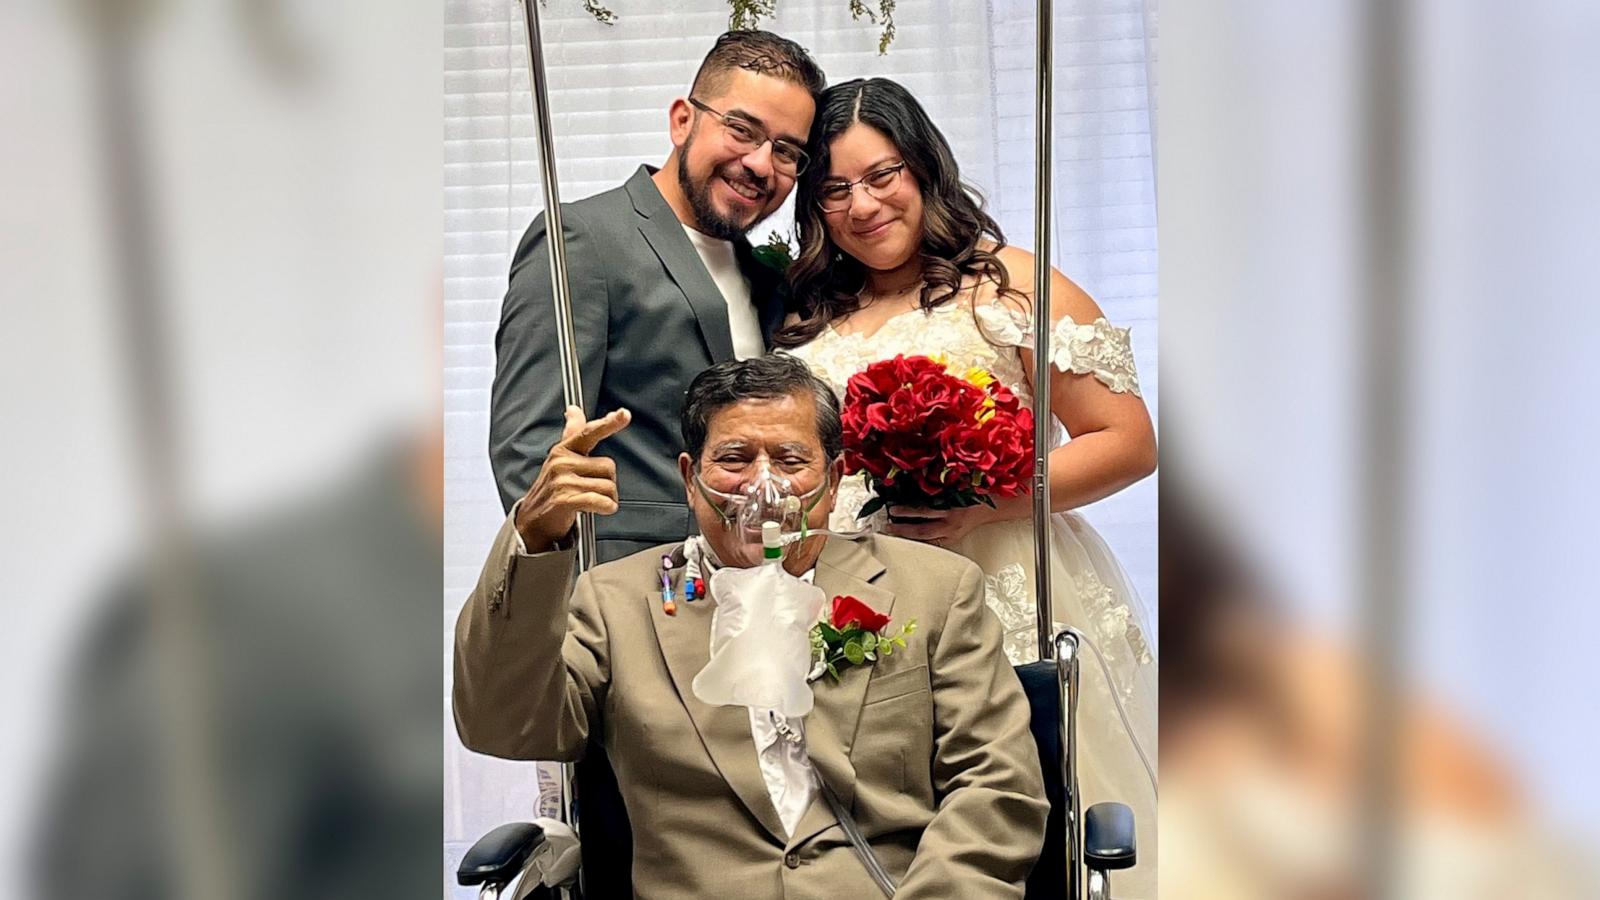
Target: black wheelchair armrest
(1108, 837)
(498, 856)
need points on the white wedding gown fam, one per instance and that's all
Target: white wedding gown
(1090, 591)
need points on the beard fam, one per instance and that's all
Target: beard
(707, 218)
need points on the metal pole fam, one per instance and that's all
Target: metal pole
(556, 241)
(1387, 456)
(1041, 340)
(566, 339)
(1067, 644)
(189, 758)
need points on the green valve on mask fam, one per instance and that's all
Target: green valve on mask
(771, 542)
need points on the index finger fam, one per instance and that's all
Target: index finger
(594, 432)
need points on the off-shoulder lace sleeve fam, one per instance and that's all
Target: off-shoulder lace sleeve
(1098, 348)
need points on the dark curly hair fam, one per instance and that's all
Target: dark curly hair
(826, 282)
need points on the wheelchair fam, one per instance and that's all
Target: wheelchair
(1076, 859)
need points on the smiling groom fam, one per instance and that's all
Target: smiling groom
(663, 281)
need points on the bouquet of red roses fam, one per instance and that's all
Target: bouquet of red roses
(926, 437)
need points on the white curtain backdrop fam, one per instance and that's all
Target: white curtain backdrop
(971, 64)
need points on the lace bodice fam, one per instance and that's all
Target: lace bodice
(988, 338)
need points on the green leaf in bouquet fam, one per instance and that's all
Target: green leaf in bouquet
(952, 499)
(869, 640)
(829, 633)
(871, 506)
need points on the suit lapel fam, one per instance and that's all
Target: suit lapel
(664, 233)
(845, 567)
(685, 641)
(766, 292)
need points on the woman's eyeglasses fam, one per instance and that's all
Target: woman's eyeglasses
(744, 136)
(834, 196)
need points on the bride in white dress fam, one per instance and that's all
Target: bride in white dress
(897, 257)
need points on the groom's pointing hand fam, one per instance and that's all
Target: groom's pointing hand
(571, 481)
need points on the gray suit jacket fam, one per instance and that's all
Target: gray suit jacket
(929, 748)
(648, 318)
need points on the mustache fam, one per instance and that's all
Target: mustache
(738, 172)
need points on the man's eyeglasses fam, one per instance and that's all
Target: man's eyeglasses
(788, 158)
(834, 196)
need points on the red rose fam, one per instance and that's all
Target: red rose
(872, 464)
(945, 399)
(849, 611)
(908, 452)
(904, 415)
(1004, 399)
(875, 382)
(934, 396)
(970, 445)
(909, 368)
(1012, 442)
(928, 483)
(894, 373)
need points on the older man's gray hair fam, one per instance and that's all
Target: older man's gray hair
(760, 378)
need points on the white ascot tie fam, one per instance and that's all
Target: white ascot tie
(760, 658)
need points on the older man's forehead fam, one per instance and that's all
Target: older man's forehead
(804, 447)
(769, 423)
(768, 435)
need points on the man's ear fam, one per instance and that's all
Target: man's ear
(686, 470)
(835, 475)
(680, 121)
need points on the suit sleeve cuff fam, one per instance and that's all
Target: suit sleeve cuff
(562, 545)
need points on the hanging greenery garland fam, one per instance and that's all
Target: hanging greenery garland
(747, 14)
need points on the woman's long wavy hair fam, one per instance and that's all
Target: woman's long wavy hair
(826, 282)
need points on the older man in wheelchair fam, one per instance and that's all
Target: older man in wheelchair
(729, 742)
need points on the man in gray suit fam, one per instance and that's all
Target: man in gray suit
(664, 285)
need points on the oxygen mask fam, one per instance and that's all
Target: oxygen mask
(766, 497)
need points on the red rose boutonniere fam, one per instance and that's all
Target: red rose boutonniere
(854, 634)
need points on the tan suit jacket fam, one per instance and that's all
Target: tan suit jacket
(929, 749)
